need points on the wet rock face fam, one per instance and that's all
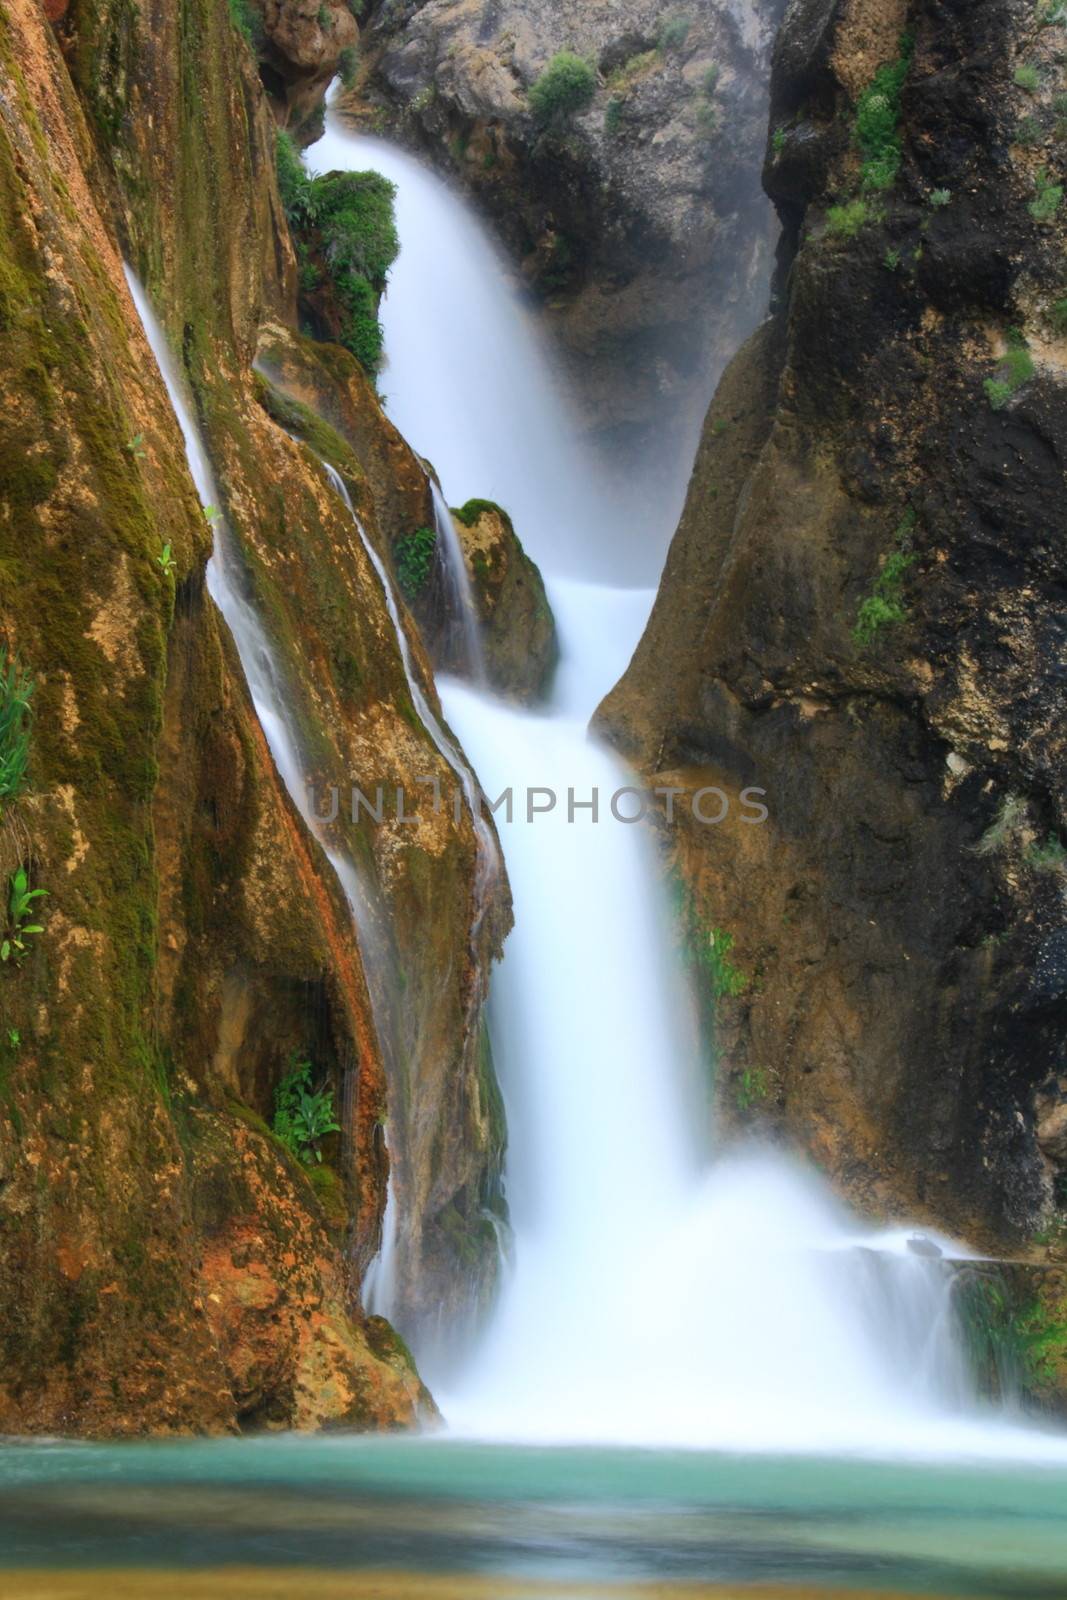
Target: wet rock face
(517, 629)
(862, 613)
(164, 1267)
(637, 219)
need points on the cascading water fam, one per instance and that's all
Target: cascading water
(275, 717)
(654, 1297)
(469, 660)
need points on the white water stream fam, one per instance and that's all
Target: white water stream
(656, 1295)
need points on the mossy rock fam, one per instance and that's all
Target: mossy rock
(518, 629)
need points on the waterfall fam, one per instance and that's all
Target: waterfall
(515, 442)
(469, 657)
(488, 866)
(659, 1292)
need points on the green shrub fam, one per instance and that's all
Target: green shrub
(348, 65)
(1027, 77)
(885, 604)
(846, 220)
(303, 1116)
(324, 18)
(294, 185)
(939, 198)
(891, 260)
(346, 221)
(356, 220)
(778, 141)
(673, 33)
(566, 86)
(413, 555)
(1048, 197)
(1029, 132)
(1015, 367)
(878, 121)
(16, 695)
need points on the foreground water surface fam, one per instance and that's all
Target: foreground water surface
(396, 1519)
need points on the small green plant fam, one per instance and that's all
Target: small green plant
(565, 87)
(14, 1040)
(846, 220)
(348, 65)
(16, 696)
(1051, 12)
(1029, 133)
(1051, 856)
(613, 115)
(752, 1086)
(1048, 197)
(625, 76)
(324, 18)
(710, 81)
(891, 259)
(135, 447)
(413, 554)
(727, 979)
(1057, 316)
(1015, 367)
(778, 141)
(1027, 77)
(303, 1115)
(673, 33)
(20, 901)
(878, 121)
(166, 562)
(939, 198)
(357, 8)
(885, 603)
(1010, 817)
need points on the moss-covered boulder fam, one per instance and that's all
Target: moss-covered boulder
(517, 629)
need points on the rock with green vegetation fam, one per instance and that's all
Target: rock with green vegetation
(301, 46)
(861, 613)
(1013, 1318)
(617, 150)
(195, 935)
(518, 631)
(344, 230)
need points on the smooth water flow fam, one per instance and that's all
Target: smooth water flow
(258, 659)
(654, 1295)
(453, 378)
(470, 657)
